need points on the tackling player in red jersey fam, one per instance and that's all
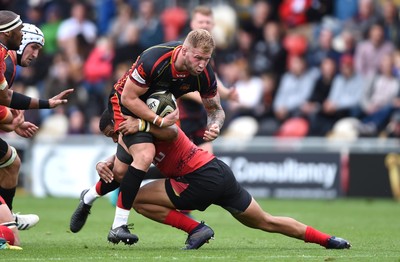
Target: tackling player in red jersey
(196, 179)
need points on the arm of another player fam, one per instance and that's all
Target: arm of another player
(130, 99)
(16, 100)
(10, 119)
(132, 125)
(17, 123)
(215, 117)
(26, 129)
(104, 169)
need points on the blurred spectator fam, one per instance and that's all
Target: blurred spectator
(105, 11)
(130, 49)
(93, 128)
(225, 25)
(77, 24)
(345, 43)
(50, 29)
(322, 48)
(173, 20)
(97, 71)
(295, 44)
(366, 16)
(55, 126)
(242, 47)
(369, 53)
(294, 89)
(76, 35)
(151, 29)
(319, 9)
(386, 119)
(34, 14)
(118, 29)
(269, 56)
(250, 90)
(320, 91)
(396, 64)
(391, 22)
(380, 90)
(261, 12)
(345, 10)
(292, 13)
(76, 122)
(58, 79)
(345, 94)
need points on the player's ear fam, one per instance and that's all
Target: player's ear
(184, 50)
(7, 34)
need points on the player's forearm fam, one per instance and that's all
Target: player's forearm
(19, 101)
(7, 127)
(216, 117)
(5, 97)
(138, 108)
(166, 133)
(215, 112)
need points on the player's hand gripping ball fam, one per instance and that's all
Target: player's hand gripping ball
(162, 102)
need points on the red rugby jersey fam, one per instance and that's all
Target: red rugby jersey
(179, 157)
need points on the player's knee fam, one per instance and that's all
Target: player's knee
(12, 163)
(17, 162)
(118, 174)
(144, 158)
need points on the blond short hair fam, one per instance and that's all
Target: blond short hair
(200, 38)
(202, 9)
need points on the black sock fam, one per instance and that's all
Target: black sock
(107, 187)
(130, 185)
(8, 195)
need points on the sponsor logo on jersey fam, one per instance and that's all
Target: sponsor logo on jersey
(141, 71)
(135, 75)
(184, 87)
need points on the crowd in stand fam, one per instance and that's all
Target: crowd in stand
(300, 67)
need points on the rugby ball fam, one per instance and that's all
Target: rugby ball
(162, 102)
(7, 234)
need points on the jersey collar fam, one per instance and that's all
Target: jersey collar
(5, 47)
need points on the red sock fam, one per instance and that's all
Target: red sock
(314, 236)
(180, 221)
(98, 187)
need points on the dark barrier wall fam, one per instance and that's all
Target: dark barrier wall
(374, 175)
(287, 175)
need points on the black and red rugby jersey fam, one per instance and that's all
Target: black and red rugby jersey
(11, 67)
(154, 69)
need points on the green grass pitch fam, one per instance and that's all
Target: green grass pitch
(372, 226)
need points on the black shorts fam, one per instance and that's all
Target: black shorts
(194, 129)
(137, 138)
(3, 148)
(123, 156)
(214, 183)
